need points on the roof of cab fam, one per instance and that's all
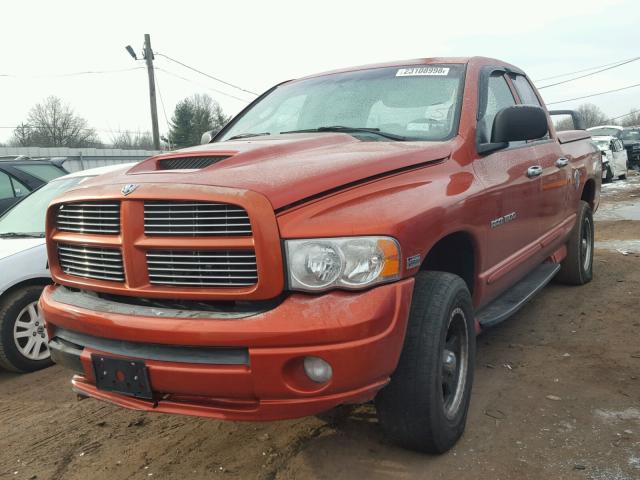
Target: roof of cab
(417, 61)
(94, 172)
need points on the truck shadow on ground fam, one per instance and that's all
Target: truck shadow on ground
(352, 444)
(6, 376)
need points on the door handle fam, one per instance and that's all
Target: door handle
(562, 162)
(534, 171)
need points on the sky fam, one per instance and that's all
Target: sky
(256, 44)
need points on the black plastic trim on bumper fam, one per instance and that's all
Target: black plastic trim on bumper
(146, 351)
(66, 354)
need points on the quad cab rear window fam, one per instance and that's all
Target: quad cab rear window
(415, 102)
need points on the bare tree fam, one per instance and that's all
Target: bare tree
(22, 136)
(128, 140)
(54, 124)
(631, 120)
(592, 116)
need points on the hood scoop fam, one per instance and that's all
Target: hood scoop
(189, 163)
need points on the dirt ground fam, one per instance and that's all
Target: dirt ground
(556, 396)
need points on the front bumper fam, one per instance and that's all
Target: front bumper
(359, 334)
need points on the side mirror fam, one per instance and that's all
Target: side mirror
(519, 122)
(206, 137)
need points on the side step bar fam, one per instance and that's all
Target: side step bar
(517, 296)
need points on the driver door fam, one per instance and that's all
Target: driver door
(512, 190)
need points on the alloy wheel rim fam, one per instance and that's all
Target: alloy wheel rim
(586, 244)
(29, 334)
(454, 362)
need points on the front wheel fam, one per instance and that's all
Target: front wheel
(425, 405)
(23, 338)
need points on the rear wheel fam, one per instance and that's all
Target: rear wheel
(23, 338)
(577, 267)
(425, 405)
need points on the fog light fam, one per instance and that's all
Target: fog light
(317, 369)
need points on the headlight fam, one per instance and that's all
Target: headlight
(348, 262)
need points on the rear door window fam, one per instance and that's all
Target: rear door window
(19, 188)
(6, 190)
(44, 172)
(525, 90)
(526, 93)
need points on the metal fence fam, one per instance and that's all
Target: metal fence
(82, 158)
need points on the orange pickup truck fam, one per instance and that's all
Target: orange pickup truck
(344, 238)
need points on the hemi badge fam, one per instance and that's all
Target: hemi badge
(413, 262)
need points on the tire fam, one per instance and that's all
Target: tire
(577, 267)
(419, 409)
(18, 327)
(622, 177)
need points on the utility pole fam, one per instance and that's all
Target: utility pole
(148, 57)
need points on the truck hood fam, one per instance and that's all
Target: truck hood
(287, 168)
(11, 246)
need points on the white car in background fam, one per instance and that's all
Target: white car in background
(614, 157)
(24, 272)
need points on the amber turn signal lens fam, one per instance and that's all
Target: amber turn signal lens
(391, 265)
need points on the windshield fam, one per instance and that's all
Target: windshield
(28, 216)
(604, 132)
(417, 102)
(631, 135)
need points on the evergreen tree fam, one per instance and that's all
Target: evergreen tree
(192, 117)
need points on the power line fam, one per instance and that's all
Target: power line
(581, 71)
(206, 74)
(635, 112)
(195, 83)
(589, 74)
(72, 74)
(594, 94)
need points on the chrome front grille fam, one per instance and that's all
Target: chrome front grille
(204, 268)
(195, 219)
(89, 217)
(91, 262)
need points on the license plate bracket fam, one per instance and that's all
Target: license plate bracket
(121, 375)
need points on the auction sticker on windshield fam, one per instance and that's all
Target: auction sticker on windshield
(422, 71)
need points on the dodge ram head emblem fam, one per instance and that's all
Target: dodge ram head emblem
(128, 188)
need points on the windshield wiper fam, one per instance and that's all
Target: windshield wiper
(341, 128)
(21, 235)
(248, 135)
